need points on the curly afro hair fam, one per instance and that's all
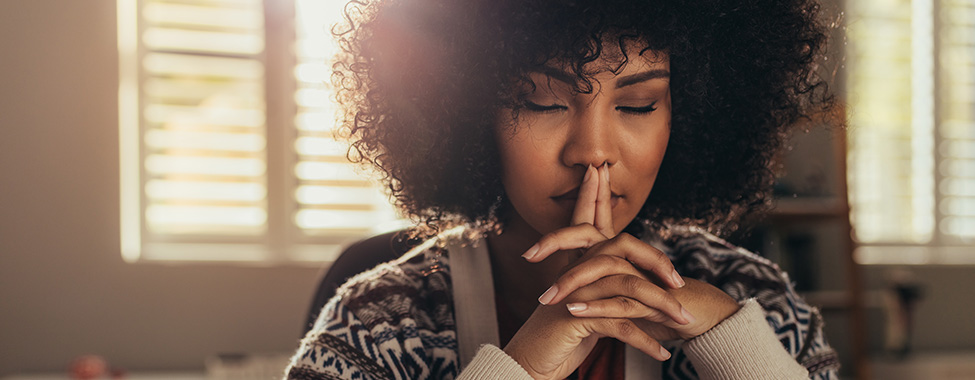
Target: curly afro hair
(421, 82)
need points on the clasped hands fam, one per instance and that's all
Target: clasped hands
(618, 287)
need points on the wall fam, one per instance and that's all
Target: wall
(64, 289)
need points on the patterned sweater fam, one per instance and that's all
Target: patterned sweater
(396, 321)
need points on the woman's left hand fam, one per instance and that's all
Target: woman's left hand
(610, 275)
(620, 275)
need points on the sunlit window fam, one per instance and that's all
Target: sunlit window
(219, 162)
(911, 82)
(332, 198)
(957, 120)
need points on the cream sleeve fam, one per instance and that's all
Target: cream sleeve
(743, 347)
(740, 347)
(491, 362)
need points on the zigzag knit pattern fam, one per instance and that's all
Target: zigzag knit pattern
(744, 275)
(396, 321)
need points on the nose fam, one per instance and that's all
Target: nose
(591, 140)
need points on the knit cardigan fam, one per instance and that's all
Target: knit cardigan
(397, 321)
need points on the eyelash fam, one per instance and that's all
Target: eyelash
(638, 110)
(534, 107)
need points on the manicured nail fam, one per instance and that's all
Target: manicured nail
(574, 307)
(549, 295)
(664, 353)
(588, 174)
(687, 315)
(531, 252)
(678, 279)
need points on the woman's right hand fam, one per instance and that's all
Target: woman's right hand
(553, 342)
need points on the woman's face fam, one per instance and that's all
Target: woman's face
(624, 122)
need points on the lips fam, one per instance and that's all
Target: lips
(570, 197)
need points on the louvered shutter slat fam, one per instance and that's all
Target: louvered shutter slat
(334, 197)
(204, 120)
(957, 164)
(886, 199)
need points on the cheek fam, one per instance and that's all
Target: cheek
(644, 165)
(516, 163)
(524, 168)
(652, 155)
(647, 149)
(527, 176)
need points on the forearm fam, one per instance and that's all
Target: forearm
(743, 347)
(492, 363)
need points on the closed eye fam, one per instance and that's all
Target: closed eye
(638, 110)
(535, 107)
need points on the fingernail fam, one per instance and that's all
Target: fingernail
(678, 279)
(588, 174)
(575, 307)
(664, 353)
(549, 295)
(687, 315)
(531, 252)
(605, 173)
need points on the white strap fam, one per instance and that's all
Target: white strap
(640, 366)
(473, 290)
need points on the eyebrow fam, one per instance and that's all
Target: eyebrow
(628, 80)
(642, 77)
(559, 75)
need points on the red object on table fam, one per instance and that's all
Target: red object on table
(88, 367)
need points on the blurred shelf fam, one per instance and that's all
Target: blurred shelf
(838, 300)
(809, 208)
(926, 365)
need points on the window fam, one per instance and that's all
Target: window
(911, 81)
(226, 135)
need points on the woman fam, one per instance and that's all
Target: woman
(567, 160)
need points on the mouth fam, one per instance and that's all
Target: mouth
(569, 198)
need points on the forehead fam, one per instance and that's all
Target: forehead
(616, 59)
(625, 54)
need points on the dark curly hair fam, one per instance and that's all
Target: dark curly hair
(421, 83)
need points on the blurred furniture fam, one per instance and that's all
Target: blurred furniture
(809, 233)
(949, 365)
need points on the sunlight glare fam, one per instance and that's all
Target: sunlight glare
(194, 190)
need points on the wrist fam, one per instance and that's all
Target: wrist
(491, 362)
(718, 308)
(513, 350)
(724, 307)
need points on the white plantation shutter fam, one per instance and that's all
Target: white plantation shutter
(203, 115)
(216, 163)
(332, 197)
(911, 86)
(891, 140)
(957, 132)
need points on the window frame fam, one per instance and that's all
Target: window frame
(942, 248)
(283, 242)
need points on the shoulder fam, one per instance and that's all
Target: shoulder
(739, 272)
(392, 321)
(415, 286)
